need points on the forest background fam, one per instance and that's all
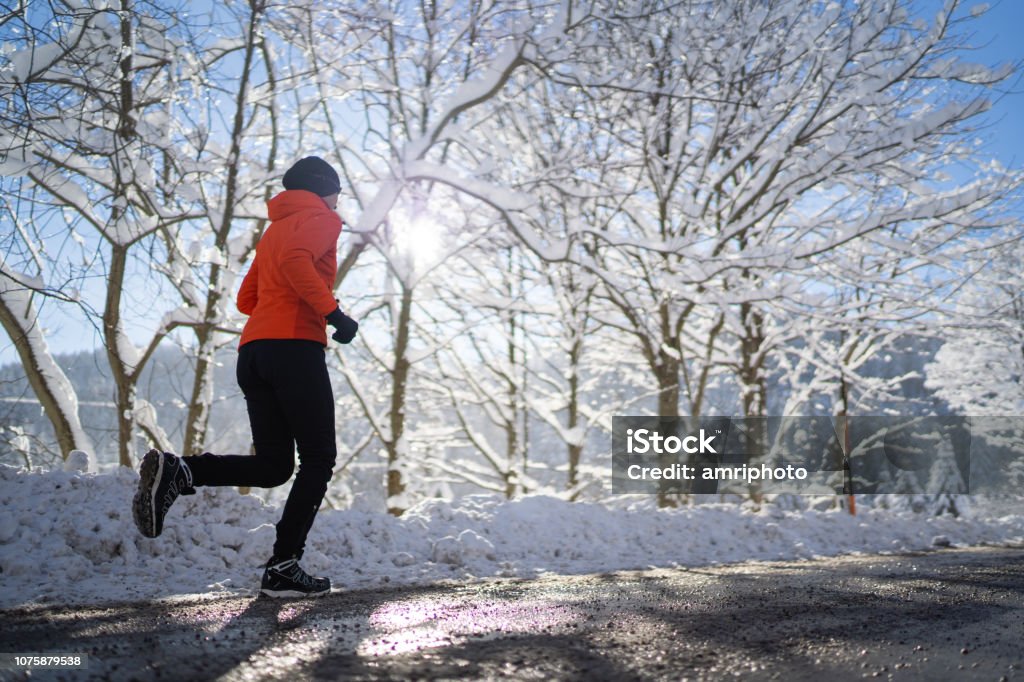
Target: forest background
(556, 212)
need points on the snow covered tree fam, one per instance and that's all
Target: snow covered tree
(89, 92)
(567, 382)
(119, 129)
(482, 368)
(20, 319)
(400, 87)
(747, 200)
(762, 142)
(980, 369)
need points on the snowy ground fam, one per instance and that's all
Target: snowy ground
(68, 537)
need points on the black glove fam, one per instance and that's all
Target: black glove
(344, 325)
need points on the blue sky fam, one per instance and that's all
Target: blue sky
(996, 35)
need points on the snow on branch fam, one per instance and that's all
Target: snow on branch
(20, 319)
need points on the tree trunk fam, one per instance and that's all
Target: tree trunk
(51, 386)
(667, 376)
(400, 376)
(198, 420)
(753, 386)
(511, 423)
(113, 337)
(575, 448)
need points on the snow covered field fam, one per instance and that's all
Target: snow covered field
(68, 537)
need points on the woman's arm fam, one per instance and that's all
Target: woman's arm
(247, 294)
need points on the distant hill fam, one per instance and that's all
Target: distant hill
(166, 383)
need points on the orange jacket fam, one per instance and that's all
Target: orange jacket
(288, 290)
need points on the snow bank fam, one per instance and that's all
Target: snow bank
(68, 537)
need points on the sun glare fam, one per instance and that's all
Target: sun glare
(421, 239)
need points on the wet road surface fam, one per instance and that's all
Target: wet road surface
(950, 614)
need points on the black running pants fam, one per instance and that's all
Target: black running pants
(290, 402)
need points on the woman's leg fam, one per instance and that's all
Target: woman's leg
(303, 390)
(274, 458)
(290, 402)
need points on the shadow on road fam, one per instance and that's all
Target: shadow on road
(943, 614)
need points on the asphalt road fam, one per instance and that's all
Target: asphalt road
(944, 615)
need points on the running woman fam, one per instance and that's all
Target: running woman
(282, 372)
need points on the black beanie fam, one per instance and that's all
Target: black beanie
(313, 174)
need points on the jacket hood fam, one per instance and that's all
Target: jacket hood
(292, 201)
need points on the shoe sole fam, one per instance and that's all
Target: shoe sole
(144, 502)
(279, 594)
